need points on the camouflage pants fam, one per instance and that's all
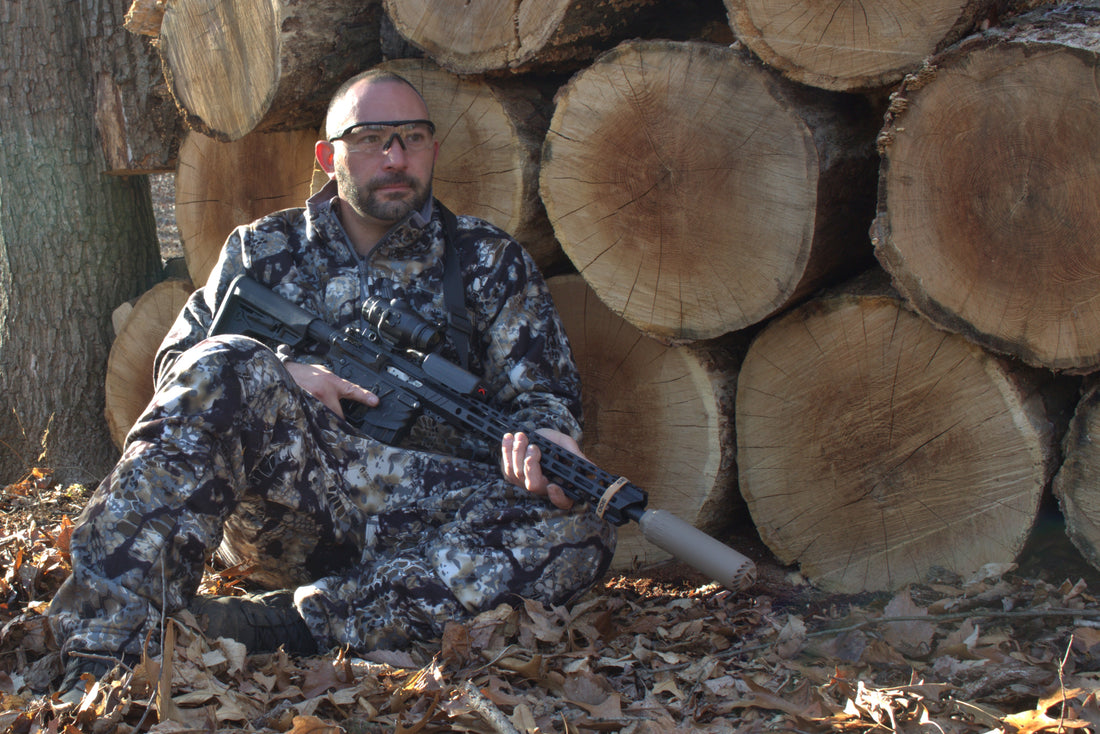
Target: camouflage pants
(382, 544)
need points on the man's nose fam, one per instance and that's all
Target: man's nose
(394, 151)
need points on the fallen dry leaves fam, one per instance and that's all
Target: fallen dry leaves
(642, 653)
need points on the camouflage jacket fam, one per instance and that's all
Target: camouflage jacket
(519, 346)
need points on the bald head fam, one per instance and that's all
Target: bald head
(345, 107)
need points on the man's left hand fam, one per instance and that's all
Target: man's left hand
(520, 464)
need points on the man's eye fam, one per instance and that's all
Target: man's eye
(416, 137)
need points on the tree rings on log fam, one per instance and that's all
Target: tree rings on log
(129, 382)
(850, 46)
(490, 136)
(699, 193)
(989, 194)
(661, 416)
(873, 447)
(222, 185)
(238, 66)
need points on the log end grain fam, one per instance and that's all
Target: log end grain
(659, 415)
(222, 185)
(873, 447)
(129, 381)
(850, 46)
(989, 198)
(682, 180)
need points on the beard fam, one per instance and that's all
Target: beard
(367, 202)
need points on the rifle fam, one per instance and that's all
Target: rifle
(395, 360)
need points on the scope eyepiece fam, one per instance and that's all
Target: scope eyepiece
(396, 322)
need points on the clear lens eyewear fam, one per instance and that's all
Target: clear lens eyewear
(374, 138)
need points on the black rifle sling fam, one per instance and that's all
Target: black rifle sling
(459, 325)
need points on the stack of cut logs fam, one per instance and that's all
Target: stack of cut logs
(835, 263)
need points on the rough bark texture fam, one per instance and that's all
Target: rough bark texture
(138, 124)
(129, 382)
(854, 45)
(238, 66)
(699, 193)
(222, 185)
(73, 243)
(661, 416)
(490, 135)
(560, 35)
(989, 191)
(872, 447)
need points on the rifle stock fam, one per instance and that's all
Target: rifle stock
(409, 382)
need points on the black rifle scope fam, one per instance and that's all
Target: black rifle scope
(398, 324)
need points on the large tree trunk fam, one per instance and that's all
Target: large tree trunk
(872, 447)
(222, 185)
(490, 135)
(699, 193)
(73, 243)
(238, 66)
(490, 35)
(661, 416)
(989, 193)
(849, 46)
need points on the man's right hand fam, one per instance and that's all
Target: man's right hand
(328, 387)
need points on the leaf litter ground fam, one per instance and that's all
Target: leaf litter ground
(1011, 650)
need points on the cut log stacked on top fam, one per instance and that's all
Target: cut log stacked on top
(242, 66)
(699, 192)
(849, 46)
(989, 198)
(554, 35)
(659, 415)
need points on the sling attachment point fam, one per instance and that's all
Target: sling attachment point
(608, 494)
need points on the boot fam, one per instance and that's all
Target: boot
(72, 687)
(260, 622)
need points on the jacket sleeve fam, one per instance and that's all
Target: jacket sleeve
(193, 321)
(528, 364)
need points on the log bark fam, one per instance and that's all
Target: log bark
(554, 35)
(852, 46)
(989, 211)
(661, 416)
(129, 381)
(1077, 478)
(699, 193)
(872, 447)
(136, 118)
(238, 66)
(222, 185)
(490, 134)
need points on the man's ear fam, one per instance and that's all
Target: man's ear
(324, 151)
